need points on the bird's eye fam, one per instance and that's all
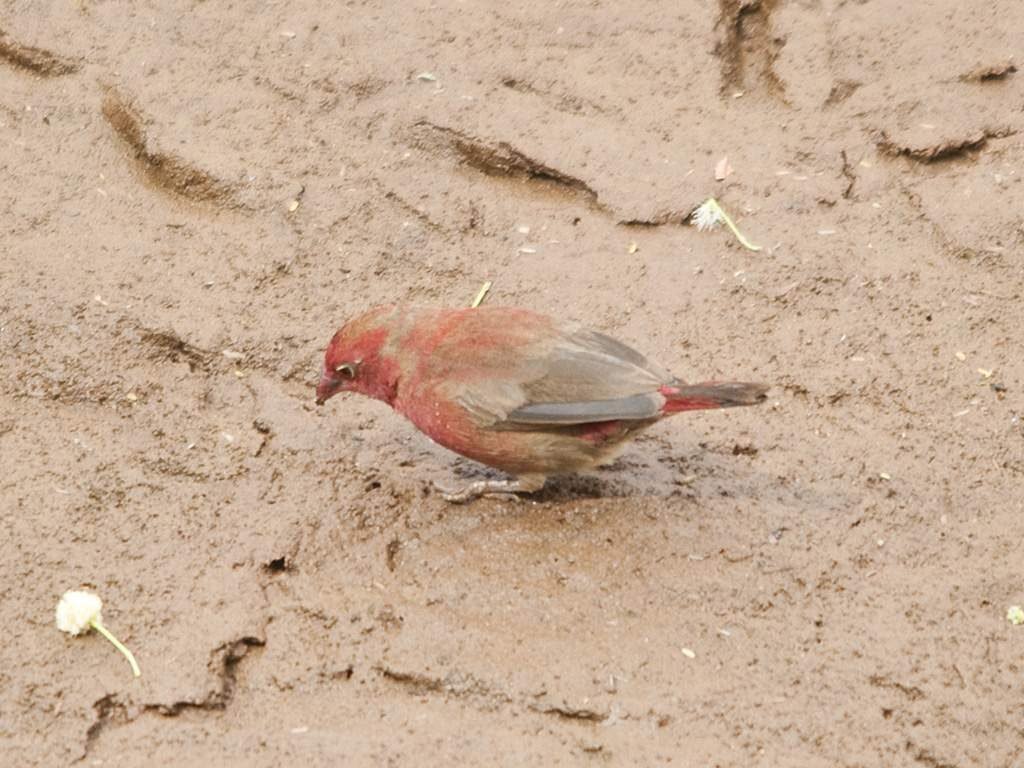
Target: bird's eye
(348, 370)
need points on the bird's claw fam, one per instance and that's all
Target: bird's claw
(503, 496)
(454, 495)
(504, 490)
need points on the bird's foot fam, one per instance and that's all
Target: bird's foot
(495, 489)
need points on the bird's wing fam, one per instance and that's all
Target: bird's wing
(570, 376)
(632, 408)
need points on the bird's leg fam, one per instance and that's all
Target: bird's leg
(497, 488)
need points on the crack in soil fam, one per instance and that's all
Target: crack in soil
(107, 709)
(947, 242)
(569, 104)
(946, 150)
(912, 692)
(468, 688)
(226, 658)
(458, 686)
(503, 159)
(391, 553)
(230, 655)
(413, 210)
(36, 60)
(168, 173)
(167, 346)
(678, 218)
(847, 173)
(564, 712)
(841, 91)
(922, 755)
(748, 50)
(989, 72)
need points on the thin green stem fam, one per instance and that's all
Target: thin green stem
(480, 296)
(117, 644)
(728, 222)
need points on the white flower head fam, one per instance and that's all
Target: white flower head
(710, 213)
(1015, 615)
(77, 610)
(707, 215)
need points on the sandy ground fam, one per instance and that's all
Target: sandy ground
(195, 195)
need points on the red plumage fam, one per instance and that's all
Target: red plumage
(511, 388)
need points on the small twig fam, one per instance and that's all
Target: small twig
(480, 296)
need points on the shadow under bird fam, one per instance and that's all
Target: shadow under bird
(510, 388)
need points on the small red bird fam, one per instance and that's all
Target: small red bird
(510, 388)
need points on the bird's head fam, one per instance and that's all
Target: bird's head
(356, 361)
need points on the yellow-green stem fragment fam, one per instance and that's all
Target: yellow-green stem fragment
(117, 644)
(480, 296)
(729, 223)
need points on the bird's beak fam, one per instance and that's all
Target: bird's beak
(326, 389)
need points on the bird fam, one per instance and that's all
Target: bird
(511, 388)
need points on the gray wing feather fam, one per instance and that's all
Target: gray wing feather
(635, 408)
(590, 377)
(588, 366)
(583, 377)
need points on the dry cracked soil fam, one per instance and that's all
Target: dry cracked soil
(196, 194)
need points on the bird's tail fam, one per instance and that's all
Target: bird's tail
(712, 394)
